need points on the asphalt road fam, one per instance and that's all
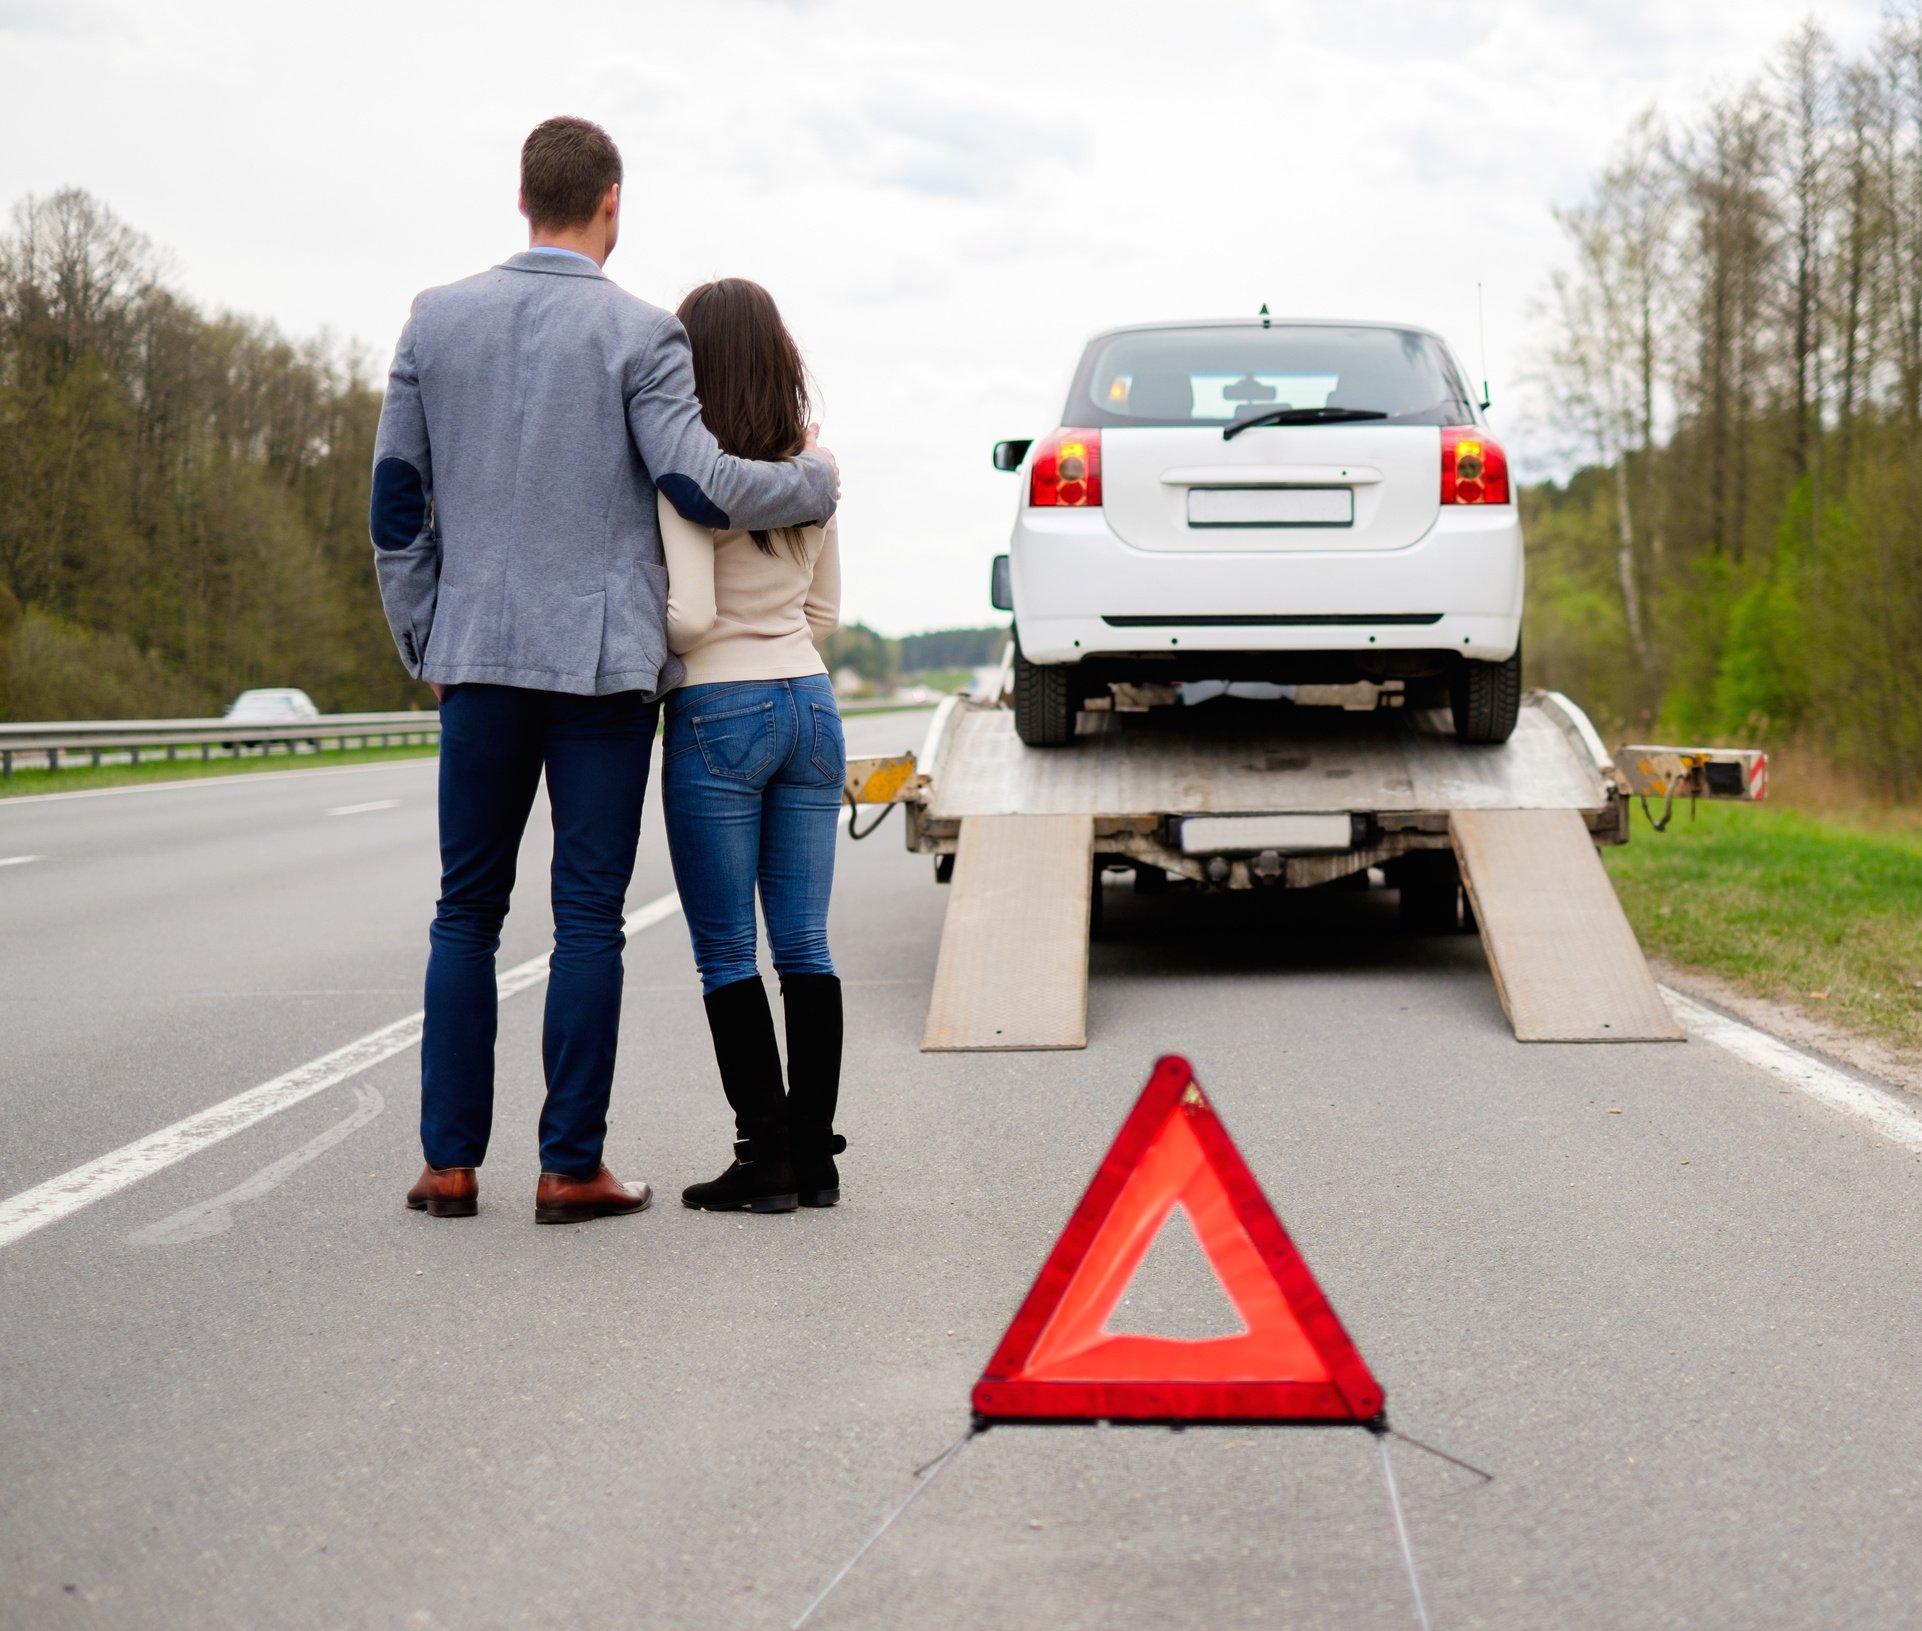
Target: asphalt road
(1667, 1301)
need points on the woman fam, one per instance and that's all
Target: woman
(753, 768)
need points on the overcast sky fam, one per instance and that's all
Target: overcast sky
(945, 199)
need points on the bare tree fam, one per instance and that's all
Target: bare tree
(1864, 231)
(1610, 310)
(1804, 72)
(1735, 229)
(1901, 154)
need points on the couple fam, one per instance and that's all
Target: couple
(581, 505)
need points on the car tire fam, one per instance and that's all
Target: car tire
(1486, 698)
(1045, 704)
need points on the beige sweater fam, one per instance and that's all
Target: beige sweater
(734, 613)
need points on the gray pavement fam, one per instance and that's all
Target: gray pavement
(1682, 1335)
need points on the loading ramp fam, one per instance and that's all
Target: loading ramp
(1264, 796)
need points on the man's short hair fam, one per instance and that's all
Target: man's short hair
(567, 165)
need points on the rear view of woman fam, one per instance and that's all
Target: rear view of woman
(753, 767)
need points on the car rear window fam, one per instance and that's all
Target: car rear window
(1213, 376)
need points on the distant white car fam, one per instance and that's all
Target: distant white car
(281, 706)
(1289, 501)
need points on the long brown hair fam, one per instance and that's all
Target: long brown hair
(748, 375)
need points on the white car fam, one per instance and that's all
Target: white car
(278, 706)
(1289, 501)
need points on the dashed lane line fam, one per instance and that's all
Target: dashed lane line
(17, 860)
(365, 809)
(57, 1198)
(1881, 1110)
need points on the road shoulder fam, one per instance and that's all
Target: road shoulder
(1895, 1068)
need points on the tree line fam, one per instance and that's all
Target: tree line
(1734, 352)
(182, 498)
(882, 659)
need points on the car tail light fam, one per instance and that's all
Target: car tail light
(1066, 472)
(1474, 467)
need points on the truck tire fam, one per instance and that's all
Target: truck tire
(1045, 703)
(1486, 698)
(1431, 904)
(1432, 899)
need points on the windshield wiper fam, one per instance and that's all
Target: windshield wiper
(1300, 416)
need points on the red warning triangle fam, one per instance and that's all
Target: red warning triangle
(1293, 1362)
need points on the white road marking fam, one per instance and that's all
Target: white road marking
(1887, 1114)
(363, 809)
(17, 860)
(216, 1216)
(211, 783)
(35, 1208)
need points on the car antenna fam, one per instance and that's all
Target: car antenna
(1481, 322)
(1263, 314)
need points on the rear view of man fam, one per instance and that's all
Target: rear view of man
(532, 413)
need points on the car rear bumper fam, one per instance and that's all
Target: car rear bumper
(1080, 592)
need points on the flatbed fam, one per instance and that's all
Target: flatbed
(1500, 838)
(1143, 778)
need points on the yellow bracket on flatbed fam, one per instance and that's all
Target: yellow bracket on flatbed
(1705, 773)
(894, 780)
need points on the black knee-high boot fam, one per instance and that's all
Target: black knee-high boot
(814, 1026)
(761, 1178)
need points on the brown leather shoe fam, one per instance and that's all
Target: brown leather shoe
(445, 1192)
(561, 1199)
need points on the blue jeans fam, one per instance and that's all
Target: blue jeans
(752, 776)
(495, 742)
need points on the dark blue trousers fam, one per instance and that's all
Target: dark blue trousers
(495, 742)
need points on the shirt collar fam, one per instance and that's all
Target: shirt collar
(555, 249)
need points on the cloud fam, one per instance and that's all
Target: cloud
(72, 19)
(907, 277)
(921, 140)
(1440, 33)
(971, 149)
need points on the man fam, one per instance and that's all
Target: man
(531, 415)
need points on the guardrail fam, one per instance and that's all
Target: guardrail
(50, 739)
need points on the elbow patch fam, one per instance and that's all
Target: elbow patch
(685, 494)
(399, 507)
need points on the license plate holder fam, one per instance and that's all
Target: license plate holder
(1271, 506)
(1293, 833)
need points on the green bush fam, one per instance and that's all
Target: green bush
(53, 669)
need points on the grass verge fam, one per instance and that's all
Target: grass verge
(83, 777)
(1822, 914)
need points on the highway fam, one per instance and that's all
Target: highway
(1663, 1297)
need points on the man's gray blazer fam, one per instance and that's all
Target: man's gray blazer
(531, 414)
